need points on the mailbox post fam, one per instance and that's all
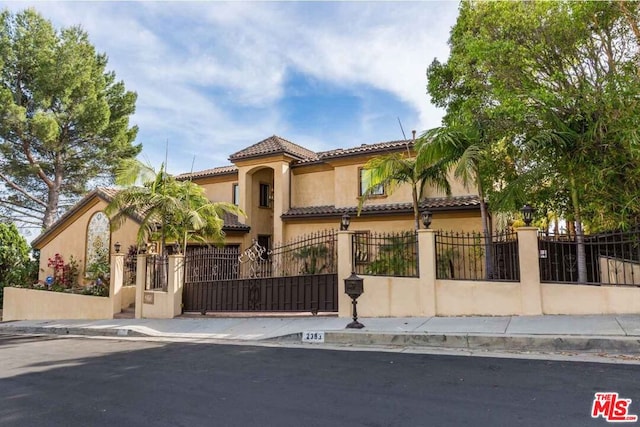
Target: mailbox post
(354, 287)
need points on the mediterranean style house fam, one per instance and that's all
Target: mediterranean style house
(286, 191)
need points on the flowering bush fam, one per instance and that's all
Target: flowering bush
(65, 275)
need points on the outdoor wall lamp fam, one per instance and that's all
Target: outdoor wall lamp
(354, 287)
(117, 247)
(345, 221)
(426, 218)
(527, 214)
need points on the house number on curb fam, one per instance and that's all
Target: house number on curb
(313, 337)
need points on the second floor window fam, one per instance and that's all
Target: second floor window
(364, 184)
(236, 194)
(265, 192)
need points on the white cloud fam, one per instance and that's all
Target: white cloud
(209, 75)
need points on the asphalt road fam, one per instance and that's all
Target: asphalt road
(60, 381)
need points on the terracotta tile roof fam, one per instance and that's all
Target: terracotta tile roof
(231, 223)
(365, 149)
(434, 204)
(222, 170)
(274, 145)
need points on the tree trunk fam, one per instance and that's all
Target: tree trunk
(580, 249)
(484, 218)
(416, 212)
(51, 209)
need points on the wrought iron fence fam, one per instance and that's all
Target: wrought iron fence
(386, 254)
(610, 258)
(474, 256)
(130, 268)
(315, 253)
(157, 272)
(310, 254)
(209, 263)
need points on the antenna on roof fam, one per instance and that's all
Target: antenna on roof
(192, 163)
(403, 135)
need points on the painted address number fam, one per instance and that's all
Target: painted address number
(313, 337)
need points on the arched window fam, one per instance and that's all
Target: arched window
(98, 240)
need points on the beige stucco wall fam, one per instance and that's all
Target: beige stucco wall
(30, 304)
(161, 308)
(219, 191)
(261, 219)
(312, 189)
(582, 299)
(468, 298)
(389, 297)
(71, 239)
(464, 221)
(128, 296)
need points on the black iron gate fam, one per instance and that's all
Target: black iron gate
(312, 293)
(300, 276)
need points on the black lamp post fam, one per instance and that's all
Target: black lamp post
(354, 287)
(426, 218)
(117, 247)
(527, 214)
(345, 221)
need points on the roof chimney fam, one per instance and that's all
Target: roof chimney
(414, 134)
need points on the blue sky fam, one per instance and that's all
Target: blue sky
(215, 77)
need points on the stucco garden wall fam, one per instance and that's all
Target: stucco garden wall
(582, 299)
(428, 296)
(30, 304)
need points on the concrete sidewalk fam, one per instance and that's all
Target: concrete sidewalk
(618, 334)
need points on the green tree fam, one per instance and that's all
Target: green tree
(395, 169)
(64, 119)
(16, 268)
(463, 149)
(170, 210)
(558, 82)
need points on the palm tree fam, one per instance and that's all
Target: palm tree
(392, 170)
(460, 147)
(173, 210)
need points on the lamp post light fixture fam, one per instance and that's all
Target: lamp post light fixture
(354, 287)
(426, 218)
(117, 247)
(527, 214)
(345, 221)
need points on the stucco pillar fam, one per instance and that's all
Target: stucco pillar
(529, 271)
(115, 284)
(345, 267)
(282, 187)
(427, 270)
(141, 280)
(174, 286)
(244, 201)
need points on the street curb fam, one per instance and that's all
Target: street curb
(52, 330)
(550, 343)
(555, 343)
